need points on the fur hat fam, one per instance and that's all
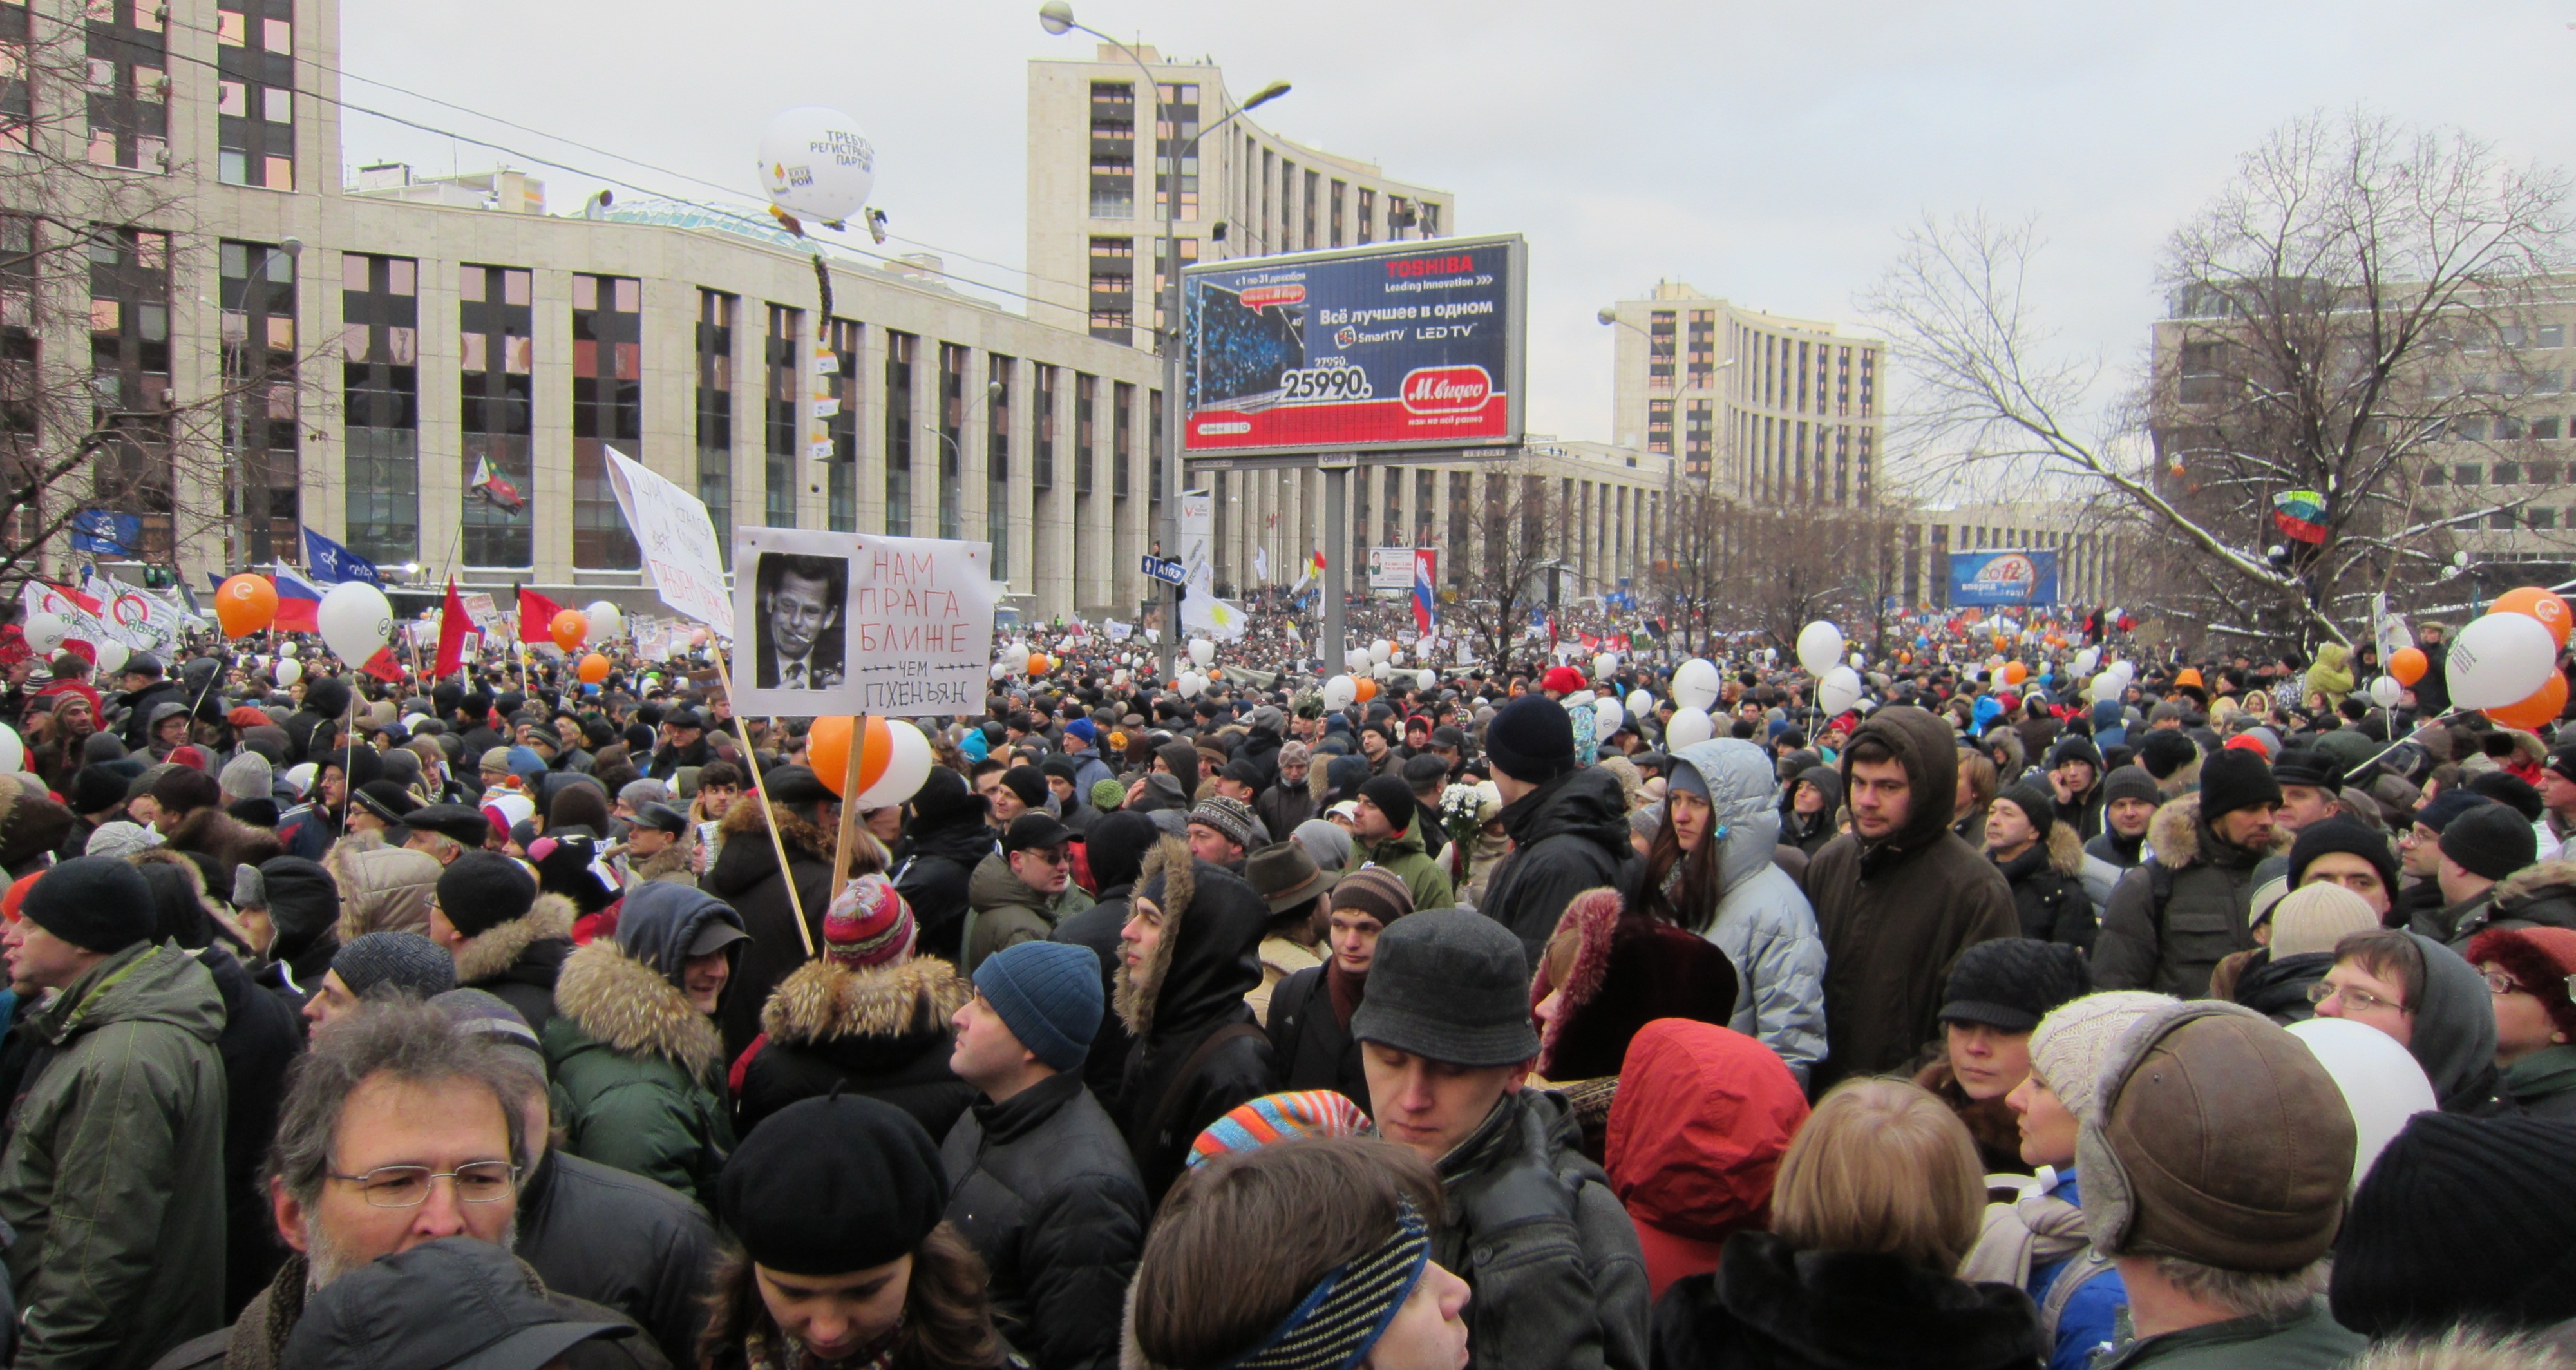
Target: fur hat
(1611, 973)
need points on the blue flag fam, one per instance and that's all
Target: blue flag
(329, 563)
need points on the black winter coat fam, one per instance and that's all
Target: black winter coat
(1097, 928)
(1209, 957)
(882, 1032)
(1314, 1050)
(1045, 1192)
(622, 1241)
(1568, 835)
(261, 1038)
(746, 876)
(1771, 1306)
(519, 960)
(932, 878)
(138, 716)
(2277, 987)
(2050, 899)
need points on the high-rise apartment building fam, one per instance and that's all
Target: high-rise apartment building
(1762, 406)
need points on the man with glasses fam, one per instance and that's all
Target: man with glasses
(2431, 1001)
(1019, 894)
(113, 1178)
(397, 1131)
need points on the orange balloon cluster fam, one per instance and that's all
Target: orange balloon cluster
(2544, 705)
(568, 629)
(245, 604)
(1367, 688)
(2408, 664)
(2537, 603)
(828, 748)
(593, 669)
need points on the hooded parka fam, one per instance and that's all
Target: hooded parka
(1568, 835)
(1696, 1135)
(1188, 994)
(746, 876)
(518, 961)
(881, 1031)
(1003, 909)
(2173, 919)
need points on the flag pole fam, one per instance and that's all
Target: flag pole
(769, 815)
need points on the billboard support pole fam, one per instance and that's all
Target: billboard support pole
(1337, 565)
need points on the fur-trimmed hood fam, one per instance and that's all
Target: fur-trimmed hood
(744, 819)
(496, 949)
(1139, 986)
(1208, 956)
(2175, 833)
(826, 1001)
(2548, 880)
(2066, 850)
(628, 1006)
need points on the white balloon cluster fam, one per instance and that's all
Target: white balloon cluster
(1820, 647)
(1695, 685)
(1340, 693)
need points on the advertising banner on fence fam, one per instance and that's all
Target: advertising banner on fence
(847, 623)
(1400, 345)
(1390, 568)
(2014, 577)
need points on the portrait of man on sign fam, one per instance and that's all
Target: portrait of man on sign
(800, 640)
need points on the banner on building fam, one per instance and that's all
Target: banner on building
(2008, 577)
(850, 623)
(1198, 542)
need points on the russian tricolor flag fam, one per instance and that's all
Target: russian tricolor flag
(1424, 596)
(299, 602)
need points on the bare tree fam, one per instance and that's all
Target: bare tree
(2322, 307)
(96, 247)
(1514, 537)
(1771, 569)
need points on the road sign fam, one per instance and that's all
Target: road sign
(1170, 572)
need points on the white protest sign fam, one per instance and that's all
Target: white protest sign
(681, 554)
(921, 625)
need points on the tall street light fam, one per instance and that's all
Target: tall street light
(1056, 17)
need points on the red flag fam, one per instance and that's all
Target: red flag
(452, 627)
(383, 666)
(536, 616)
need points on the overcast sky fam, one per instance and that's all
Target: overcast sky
(1767, 153)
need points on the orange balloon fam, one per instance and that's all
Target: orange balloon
(2408, 664)
(245, 604)
(1039, 664)
(2541, 707)
(568, 629)
(1367, 689)
(827, 748)
(2015, 673)
(594, 669)
(2540, 604)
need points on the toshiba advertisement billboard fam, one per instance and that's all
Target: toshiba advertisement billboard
(1395, 346)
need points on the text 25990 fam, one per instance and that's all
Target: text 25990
(1332, 383)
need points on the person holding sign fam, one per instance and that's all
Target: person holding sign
(801, 645)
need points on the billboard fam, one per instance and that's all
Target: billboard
(1390, 568)
(2012, 577)
(1390, 347)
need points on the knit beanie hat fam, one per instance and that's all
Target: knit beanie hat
(2491, 841)
(2234, 780)
(396, 962)
(2313, 918)
(96, 789)
(2512, 791)
(2072, 1041)
(1107, 795)
(2130, 782)
(2447, 806)
(121, 839)
(2541, 960)
(1230, 816)
(1393, 798)
(2341, 834)
(2166, 751)
(832, 1186)
(1531, 739)
(1049, 995)
(96, 903)
(246, 776)
(868, 924)
(2013, 982)
(1375, 891)
(1280, 1118)
(2462, 1220)
(2036, 804)
(1025, 783)
(481, 890)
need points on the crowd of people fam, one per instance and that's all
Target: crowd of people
(512, 1021)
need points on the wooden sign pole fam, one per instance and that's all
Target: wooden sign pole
(769, 817)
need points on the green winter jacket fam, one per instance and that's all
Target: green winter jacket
(2307, 1340)
(1404, 855)
(2544, 1082)
(113, 1177)
(638, 1071)
(1002, 909)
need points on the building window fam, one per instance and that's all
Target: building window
(21, 350)
(716, 314)
(258, 301)
(782, 418)
(1154, 446)
(841, 480)
(1113, 289)
(17, 97)
(1177, 134)
(607, 407)
(128, 94)
(129, 340)
(1659, 427)
(1122, 406)
(1659, 349)
(1462, 504)
(1314, 192)
(1042, 430)
(900, 350)
(1699, 441)
(1430, 219)
(1424, 490)
(1086, 429)
(1703, 348)
(380, 372)
(1368, 215)
(997, 465)
(494, 321)
(1113, 150)
(952, 440)
(1339, 191)
(1189, 250)
(255, 92)
(1287, 204)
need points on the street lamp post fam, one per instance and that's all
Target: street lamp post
(238, 468)
(1056, 16)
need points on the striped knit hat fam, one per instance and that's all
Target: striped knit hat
(1339, 1322)
(868, 924)
(1280, 1117)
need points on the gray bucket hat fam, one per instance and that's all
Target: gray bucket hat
(1451, 985)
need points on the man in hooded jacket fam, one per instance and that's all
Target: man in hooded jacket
(2171, 921)
(1899, 896)
(1118, 847)
(746, 875)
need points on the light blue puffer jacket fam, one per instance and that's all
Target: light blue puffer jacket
(1763, 922)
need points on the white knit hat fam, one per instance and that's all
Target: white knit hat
(2315, 917)
(2069, 1046)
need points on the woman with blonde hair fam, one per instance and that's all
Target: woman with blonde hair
(1878, 1200)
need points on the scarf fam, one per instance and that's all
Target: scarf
(1347, 990)
(2034, 1230)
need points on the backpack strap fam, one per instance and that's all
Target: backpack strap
(2160, 888)
(2074, 1275)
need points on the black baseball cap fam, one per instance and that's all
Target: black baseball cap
(1034, 830)
(661, 818)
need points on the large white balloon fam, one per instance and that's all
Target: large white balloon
(1838, 690)
(1695, 683)
(286, 648)
(1357, 658)
(1640, 704)
(606, 622)
(1341, 692)
(2500, 659)
(1426, 680)
(1820, 647)
(357, 621)
(1604, 666)
(1381, 650)
(112, 657)
(2382, 1084)
(13, 749)
(1016, 656)
(2086, 660)
(816, 164)
(288, 671)
(1202, 651)
(1395, 657)
(1610, 714)
(1688, 726)
(45, 634)
(2385, 691)
(2106, 687)
(906, 768)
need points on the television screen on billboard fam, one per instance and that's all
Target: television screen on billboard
(1395, 346)
(2000, 578)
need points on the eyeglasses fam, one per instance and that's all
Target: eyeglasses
(2354, 1000)
(2500, 983)
(408, 1186)
(1053, 857)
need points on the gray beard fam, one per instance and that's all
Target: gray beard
(325, 1260)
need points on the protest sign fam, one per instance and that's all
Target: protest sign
(681, 555)
(846, 624)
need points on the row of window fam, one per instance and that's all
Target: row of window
(124, 95)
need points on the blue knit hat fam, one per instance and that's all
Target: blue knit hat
(1048, 994)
